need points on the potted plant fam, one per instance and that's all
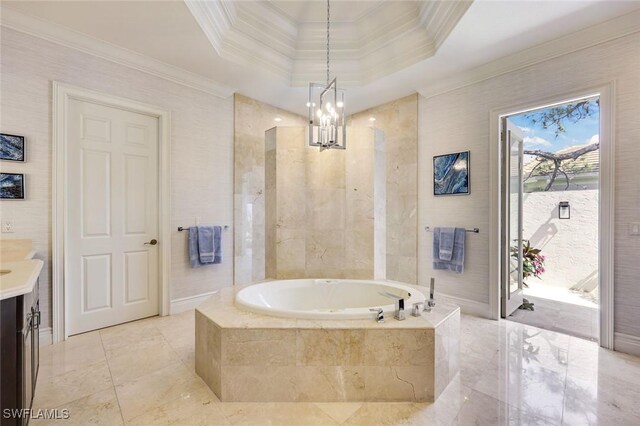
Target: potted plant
(532, 266)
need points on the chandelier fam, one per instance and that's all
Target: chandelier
(327, 124)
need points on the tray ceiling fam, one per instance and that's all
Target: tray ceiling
(163, 38)
(369, 39)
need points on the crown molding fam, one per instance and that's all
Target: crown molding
(442, 20)
(75, 40)
(579, 40)
(241, 38)
(380, 42)
(214, 18)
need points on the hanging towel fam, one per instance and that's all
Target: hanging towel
(446, 242)
(205, 245)
(456, 264)
(217, 244)
(194, 255)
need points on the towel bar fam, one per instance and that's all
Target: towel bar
(474, 230)
(180, 228)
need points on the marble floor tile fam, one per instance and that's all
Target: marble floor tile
(275, 414)
(389, 413)
(572, 319)
(99, 409)
(483, 410)
(197, 408)
(56, 390)
(531, 388)
(339, 411)
(153, 390)
(511, 374)
(131, 336)
(587, 361)
(603, 401)
(140, 361)
(74, 353)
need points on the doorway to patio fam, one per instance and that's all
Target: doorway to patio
(550, 215)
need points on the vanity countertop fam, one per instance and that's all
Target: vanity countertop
(12, 250)
(19, 277)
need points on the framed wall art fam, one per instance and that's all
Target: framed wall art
(12, 147)
(12, 186)
(451, 174)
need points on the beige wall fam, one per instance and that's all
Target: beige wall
(459, 120)
(398, 120)
(201, 150)
(251, 120)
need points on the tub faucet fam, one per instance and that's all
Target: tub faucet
(379, 314)
(431, 302)
(399, 315)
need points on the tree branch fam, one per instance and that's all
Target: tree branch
(553, 176)
(566, 176)
(565, 156)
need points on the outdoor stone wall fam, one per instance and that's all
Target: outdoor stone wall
(570, 246)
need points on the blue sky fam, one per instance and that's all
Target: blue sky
(583, 132)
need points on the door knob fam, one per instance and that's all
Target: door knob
(151, 243)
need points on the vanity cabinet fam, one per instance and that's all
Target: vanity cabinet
(19, 351)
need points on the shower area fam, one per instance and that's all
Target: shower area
(304, 212)
(325, 209)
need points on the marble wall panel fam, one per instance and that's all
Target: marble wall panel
(252, 119)
(323, 217)
(398, 121)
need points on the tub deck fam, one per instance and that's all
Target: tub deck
(248, 357)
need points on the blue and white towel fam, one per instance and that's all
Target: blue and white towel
(447, 236)
(205, 245)
(456, 260)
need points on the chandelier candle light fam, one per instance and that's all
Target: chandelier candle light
(327, 124)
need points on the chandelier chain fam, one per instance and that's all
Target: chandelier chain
(328, 32)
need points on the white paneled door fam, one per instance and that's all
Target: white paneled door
(111, 225)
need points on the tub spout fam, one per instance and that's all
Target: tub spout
(399, 315)
(379, 314)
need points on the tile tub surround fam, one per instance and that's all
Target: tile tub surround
(244, 357)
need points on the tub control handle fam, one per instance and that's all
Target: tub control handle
(416, 311)
(379, 314)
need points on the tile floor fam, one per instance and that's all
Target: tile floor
(580, 320)
(142, 373)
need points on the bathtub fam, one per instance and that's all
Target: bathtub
(325, 298)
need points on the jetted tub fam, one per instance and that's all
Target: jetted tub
(326, 298)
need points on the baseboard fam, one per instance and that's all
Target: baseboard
(46, 336)
(626, 343)
(187, 303)
(468, 306)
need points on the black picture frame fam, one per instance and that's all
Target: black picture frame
(12, 186)
(12, 148)
(452, 174)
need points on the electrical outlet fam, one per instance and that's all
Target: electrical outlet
(634, 229)
(7, 226)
